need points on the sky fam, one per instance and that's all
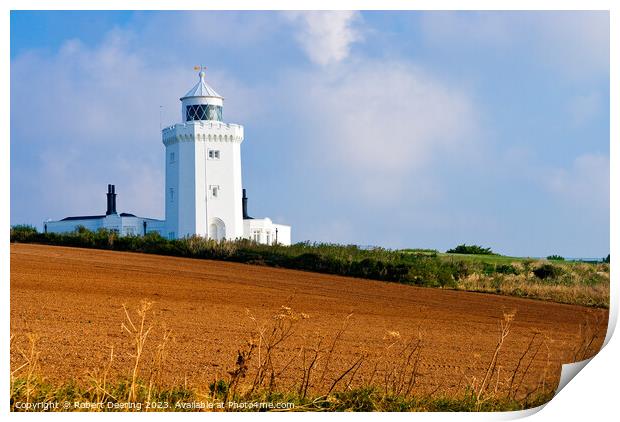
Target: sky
(396, 129)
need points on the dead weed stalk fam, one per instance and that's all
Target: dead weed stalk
(138, 334)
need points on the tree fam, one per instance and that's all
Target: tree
(471, 250)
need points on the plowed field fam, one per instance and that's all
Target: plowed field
(72, 299)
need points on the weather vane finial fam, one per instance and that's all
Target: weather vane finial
(202, 69)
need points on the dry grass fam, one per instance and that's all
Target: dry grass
(526, 285)
(138, 334)
(99, 379)
(310, 375)
(516, 382)
(29, 369)
(589, 334)
(311, 368)
(492, 367)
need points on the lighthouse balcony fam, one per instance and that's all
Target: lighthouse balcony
(202, 130)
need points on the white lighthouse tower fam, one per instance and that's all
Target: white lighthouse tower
(203, 169)
(203, 192)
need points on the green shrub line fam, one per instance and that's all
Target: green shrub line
(471, 250)
(44, 396)
(419, 267)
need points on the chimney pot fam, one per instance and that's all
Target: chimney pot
(111, 197)
(244, 203)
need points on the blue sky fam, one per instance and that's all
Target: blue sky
(399, 129)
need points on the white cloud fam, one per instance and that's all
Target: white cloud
(202, 30)
(326, 36)
(86, 117)
(92, 94)
(585, 184)
(574, 43)
(386, 124)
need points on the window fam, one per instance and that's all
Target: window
(171, 194)
(130, 231)
(214, 154)
(214, 191)
(256, 236)
(172, 157)
(171, 235)
(203, 112)
(269, 238)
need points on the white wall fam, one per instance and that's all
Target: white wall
(284, 234)
(124, 225)
(263, 230)
(135, 226)
(72, 225)
(193, 173)
(172, 182)
(185, 196)
(225, 173)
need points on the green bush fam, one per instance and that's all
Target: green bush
(488, 268)
(420, 252)
(471, 250)
(555, 258)
(23, 228)
(218, 388)
(547, 271)
(506, 269)
(22, 232)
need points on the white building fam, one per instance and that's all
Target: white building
(203, 191)
(124, 223)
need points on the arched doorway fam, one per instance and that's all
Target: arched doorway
(217, 229)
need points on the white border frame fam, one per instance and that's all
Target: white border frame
(592, 395)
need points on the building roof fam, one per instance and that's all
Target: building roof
(95, 217)
(83, 217)
(201, 89)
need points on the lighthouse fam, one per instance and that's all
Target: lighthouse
(203, 193)
(203, 190)
(203, 169)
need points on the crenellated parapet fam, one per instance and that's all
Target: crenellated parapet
(202, 131)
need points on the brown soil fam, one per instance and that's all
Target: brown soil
(72, 299)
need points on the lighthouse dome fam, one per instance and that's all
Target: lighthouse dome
(201, 102)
